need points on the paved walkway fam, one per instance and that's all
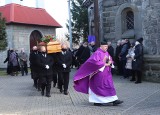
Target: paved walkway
(19, 97)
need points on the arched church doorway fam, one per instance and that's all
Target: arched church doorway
(35, 38)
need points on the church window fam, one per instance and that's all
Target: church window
(127, 19)
(130, 20)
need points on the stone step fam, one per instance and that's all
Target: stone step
(152, 67)
(152, 76)
(152, 59)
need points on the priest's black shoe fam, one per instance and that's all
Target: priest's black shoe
(98, 104)
(117, 102)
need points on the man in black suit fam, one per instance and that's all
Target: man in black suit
(33, 67)
(45, 70)
(64, 61)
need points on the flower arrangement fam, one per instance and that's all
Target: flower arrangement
(48, 38)
(51, 43)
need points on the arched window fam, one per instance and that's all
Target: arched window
(129, 20)
(128, 23)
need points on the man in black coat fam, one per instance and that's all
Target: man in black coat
(9, 71)
(124, 52)
(117, 60)
(64, 61)
(45, 70)
(83, 54)
(110, 50)
(33, 67)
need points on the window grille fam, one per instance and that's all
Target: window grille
(130, 20)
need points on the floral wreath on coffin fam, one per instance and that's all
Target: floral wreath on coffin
(51, 43)
(48, 38)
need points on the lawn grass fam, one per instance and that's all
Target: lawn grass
(3, 72)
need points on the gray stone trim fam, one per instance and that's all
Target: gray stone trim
(137, 20)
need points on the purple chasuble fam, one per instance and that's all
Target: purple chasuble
(89, 76)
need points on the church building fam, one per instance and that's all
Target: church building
(132, 19)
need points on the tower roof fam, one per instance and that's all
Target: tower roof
(15, 13)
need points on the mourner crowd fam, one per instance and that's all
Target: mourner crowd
(94, 77)
(127, 57)
(16, 62)
(90, 62)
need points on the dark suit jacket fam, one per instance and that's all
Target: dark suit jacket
(32, 58)
(63, 59)
(42, 62)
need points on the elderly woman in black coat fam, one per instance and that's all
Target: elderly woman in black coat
(137, 62)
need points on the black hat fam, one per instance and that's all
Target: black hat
(104, 43)
(140, 40)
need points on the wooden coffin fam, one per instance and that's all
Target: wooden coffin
(53, 47)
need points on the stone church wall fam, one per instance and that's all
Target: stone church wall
(147, 25)
(151, 34)
(151, 27)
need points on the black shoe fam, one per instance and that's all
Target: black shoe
(117, 102)
(42, 93)
(54, 85)
(138, 82)
(65, 92)
(100, 104)
(48, 95)
(61, 90)
(125, 77)
(132, 80)
(35, 86)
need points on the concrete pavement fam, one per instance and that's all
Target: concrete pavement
(19, 97)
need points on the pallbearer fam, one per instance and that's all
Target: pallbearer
(45, 70)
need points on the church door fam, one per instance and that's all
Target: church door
(35, 38)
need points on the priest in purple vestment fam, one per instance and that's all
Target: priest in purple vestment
(94, 78)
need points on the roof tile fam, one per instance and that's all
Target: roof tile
(15, 13)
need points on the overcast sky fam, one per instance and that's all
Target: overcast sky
(59, 10)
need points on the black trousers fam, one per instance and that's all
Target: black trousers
(55, 78)
(63, 80)
(35, 77)
(45, 81)
(119, 67)
(24, 69)
(138, 74)
(128, 72)
(124, 68)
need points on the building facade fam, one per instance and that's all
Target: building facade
(131, 19)
(25, 26)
